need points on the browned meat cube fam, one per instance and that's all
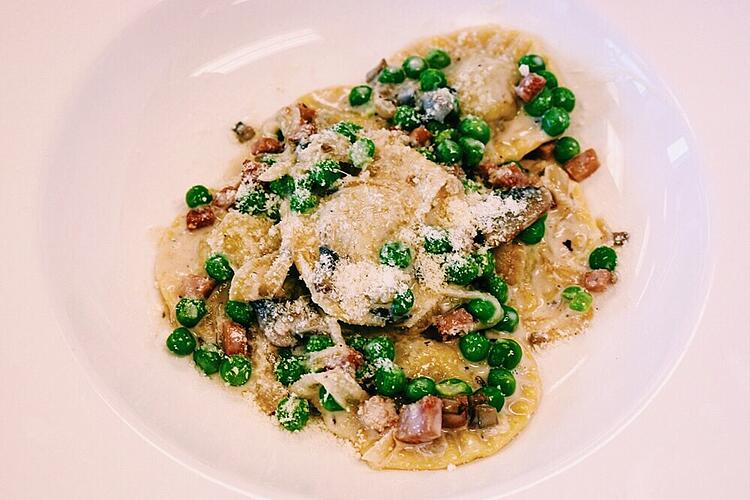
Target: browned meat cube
(582, 165)
(225, 198)
(597, 280)
(420, 136)
(504, 176)
(378, 413)
(453, 323)
(233, 338)
(267, 145)
(200, 217)
(197, 287)
(530, 86)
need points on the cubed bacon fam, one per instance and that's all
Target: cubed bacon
(420, 422)
(306, 113)
(197, 287)
(453, 323)
(345, 358)
(251, 169)
(545, 151)
(420, 136)
(455, 412)
(597, 280)
(267, 145)
(582, 165)
(200, 217)
(507, 175)
(233, 338)
(530, 86)
(225, 198)
(378, 413)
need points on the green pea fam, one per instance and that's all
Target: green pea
(473, 151)
(253, 202)
(318, 343)
(395, 254)
(392, 74)
(565, 149)
(181, 341)
(581, 302)
(603, 257)
(293, 413)
(437, 241)
(325, 173)
(482, 310)
(217, 266)
(505, 353)
(239, 312)
(381, 347)
(198, 195)
(406, 118)
(555, 120)
(208, 358)
(359, 95)
(327, 401)
(564, 98)
(438, 59)
(419, 388)
(533, 61)
(432, 79)
(570, 292)
(362, 152)
(474, 346)
(509, 323)
(550, 77)
(462, 270)
(413, 66)
(448, 152)
(190, 311)
(475, 128)
(539, 104)
(283, 186)
(486, 263)
(534, 233)
(446, 134)
(303, 201)
(452, 387)
(497, 287)
(435, 127)
(494, 397)
(289, 370)
(236, 370)
(390, 380)
(502, 379)
(402, 303)
(357, 342)
(347, 129)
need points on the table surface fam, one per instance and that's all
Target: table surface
(692, 441)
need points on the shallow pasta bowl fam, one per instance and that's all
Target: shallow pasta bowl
(153, 116)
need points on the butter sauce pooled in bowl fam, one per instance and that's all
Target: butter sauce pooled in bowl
(392, 252)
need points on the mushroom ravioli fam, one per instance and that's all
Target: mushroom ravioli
(392, 252)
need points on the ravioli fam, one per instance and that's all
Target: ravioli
(393, 252)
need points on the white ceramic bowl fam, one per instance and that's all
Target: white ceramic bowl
(153, 117)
